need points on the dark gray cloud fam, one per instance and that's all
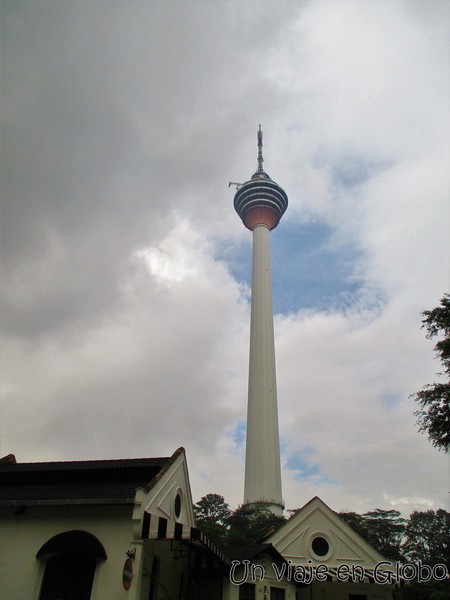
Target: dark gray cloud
(110, 113)
(125, 330)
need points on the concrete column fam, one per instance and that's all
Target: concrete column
(262, 464)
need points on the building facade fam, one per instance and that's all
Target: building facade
(125, 529)
(103, 530)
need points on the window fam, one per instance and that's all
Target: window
(277, 593)
(320, 546)
(68, 576)
(247, 591)
(177, 506)
(357, 597)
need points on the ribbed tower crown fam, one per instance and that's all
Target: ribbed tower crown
(260, 201)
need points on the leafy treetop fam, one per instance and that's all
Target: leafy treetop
(433, 416)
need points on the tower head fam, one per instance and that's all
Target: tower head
(260, 201)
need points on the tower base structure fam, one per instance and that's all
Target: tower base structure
(262, 459)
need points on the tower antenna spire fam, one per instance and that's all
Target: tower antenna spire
(260, 147)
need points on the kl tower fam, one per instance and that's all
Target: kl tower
(261, 203)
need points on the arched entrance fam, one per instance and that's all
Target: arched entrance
(70, 568)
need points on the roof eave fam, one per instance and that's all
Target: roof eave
(65, 502)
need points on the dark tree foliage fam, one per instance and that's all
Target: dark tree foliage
(423, 537)
(212, 508)
(383, 529)
(251, 524)
(433, 416)
(212, 514)
(427, 537)
(356, 522)
(246, 526)
(427, 540)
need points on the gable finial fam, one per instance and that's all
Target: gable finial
(260, 146)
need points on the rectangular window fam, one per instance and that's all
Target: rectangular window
(277, 593)
(247, 591)
(357, 597)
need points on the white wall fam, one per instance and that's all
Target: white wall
(22, 536)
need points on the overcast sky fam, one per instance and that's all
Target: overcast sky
(126, 271)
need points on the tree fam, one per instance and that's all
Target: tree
(250, 524)
(212, 508)
(356, 522)
(423, 537)
(383, 529)
(433, 416)
(212, 514)
(246, 526)
(427, 540)
(426, 537)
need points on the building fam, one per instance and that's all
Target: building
(103, 529)
(340, 564)
(124, 529)
(260, 202)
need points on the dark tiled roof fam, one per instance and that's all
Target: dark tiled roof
(76, 482)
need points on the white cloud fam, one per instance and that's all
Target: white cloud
(124, 333)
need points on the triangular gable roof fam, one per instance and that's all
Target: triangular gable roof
(317, 534)
(167, 496)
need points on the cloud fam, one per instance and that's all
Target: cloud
(151, 370)
(125, 271)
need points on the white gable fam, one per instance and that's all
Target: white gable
(169, 488)
(317, 534)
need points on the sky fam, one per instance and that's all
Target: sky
(125, 289)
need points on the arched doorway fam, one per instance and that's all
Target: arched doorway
(70, 567)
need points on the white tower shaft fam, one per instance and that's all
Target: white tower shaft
(262, 463)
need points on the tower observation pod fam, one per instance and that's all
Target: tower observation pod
(261, 203)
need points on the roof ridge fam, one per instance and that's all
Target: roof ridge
(83, 464)
(90, 460)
